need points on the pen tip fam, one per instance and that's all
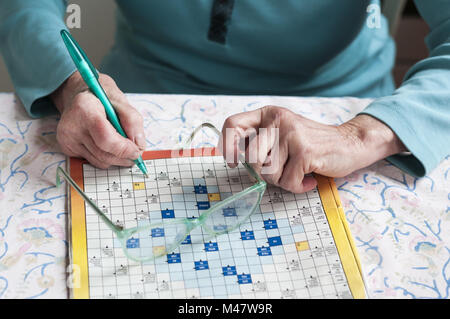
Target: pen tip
(146, 175)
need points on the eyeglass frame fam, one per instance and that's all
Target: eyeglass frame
(123, 234)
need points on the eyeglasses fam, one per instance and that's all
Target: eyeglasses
(164, 236)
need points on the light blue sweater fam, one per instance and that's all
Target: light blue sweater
(300, 48)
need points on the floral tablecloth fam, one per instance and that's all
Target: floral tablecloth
(401, 225)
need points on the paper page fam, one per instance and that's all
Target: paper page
(289, 248)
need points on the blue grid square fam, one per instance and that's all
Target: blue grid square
(229, 270)
(168, 213)
(200, 189)
(173, 258)
(203, 205)
(211, 246)
(187, 240)
(244, 279)
(264, 251)
(201, 265)
(270, 224)
(132, 243)
(274, 241)
(247, 235)
(157, 232)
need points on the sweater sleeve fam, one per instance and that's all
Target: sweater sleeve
(419, 110)
(33, 51)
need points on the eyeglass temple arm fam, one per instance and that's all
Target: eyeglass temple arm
(115, 228)
(196, 130)
(215, 130)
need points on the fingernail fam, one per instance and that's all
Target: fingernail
(140, 141)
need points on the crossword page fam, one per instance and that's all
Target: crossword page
(285, 250)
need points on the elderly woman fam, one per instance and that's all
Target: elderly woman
(300, 48)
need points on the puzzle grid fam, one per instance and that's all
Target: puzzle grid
(285, 250)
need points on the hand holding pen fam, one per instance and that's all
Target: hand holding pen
(86, 131)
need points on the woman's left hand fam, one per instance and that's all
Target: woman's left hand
(283, 147)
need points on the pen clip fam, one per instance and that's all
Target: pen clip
(76, 52)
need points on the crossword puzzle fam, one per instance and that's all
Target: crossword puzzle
(285, 250)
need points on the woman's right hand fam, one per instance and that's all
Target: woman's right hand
(84, 130)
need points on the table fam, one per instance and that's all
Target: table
(400, 224)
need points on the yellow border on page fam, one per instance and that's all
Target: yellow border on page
(78, 249)
(342, 235)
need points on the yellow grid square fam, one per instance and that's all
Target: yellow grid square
(214, 197)
(159, 250)
(302, 245)
(138, 186)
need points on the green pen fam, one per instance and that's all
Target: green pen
(90, 76)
